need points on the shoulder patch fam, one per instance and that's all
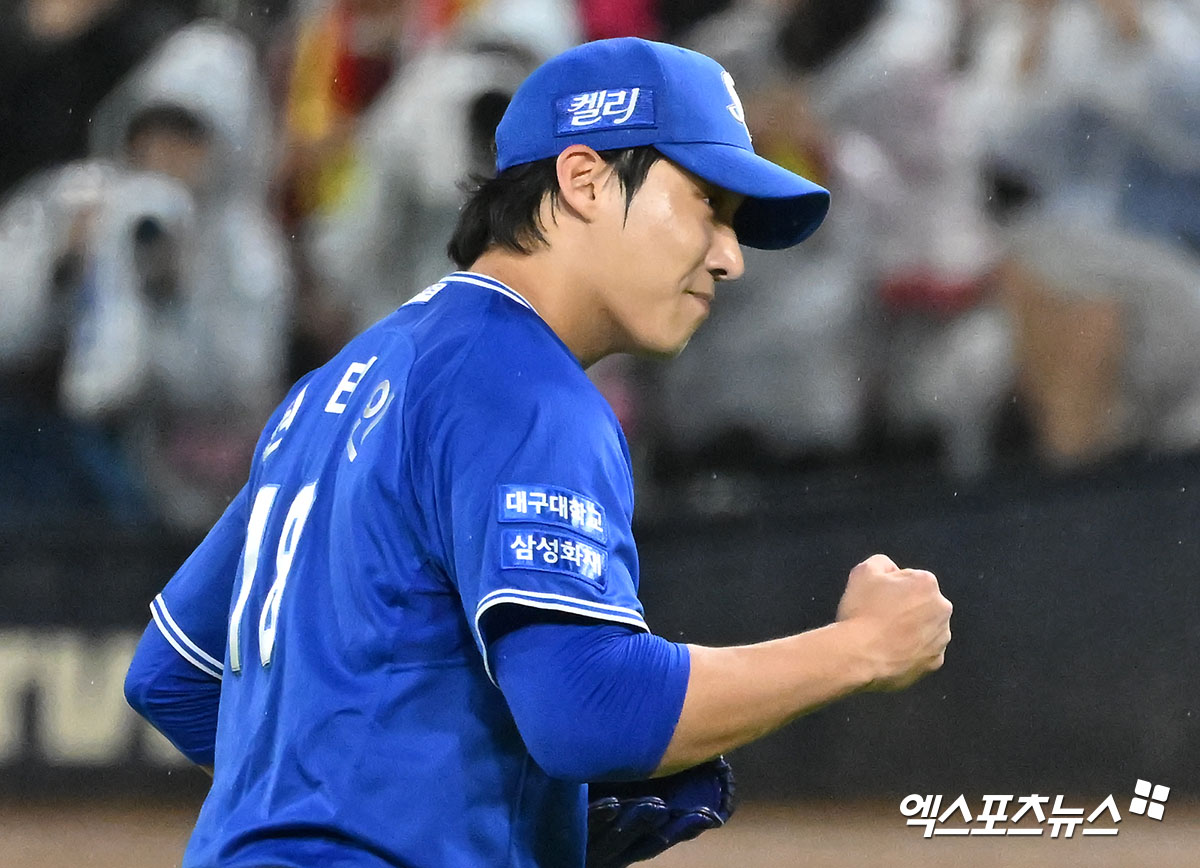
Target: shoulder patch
(553, 553)
(553, 505)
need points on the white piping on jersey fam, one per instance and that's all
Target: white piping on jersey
(545, 596)
(178, 639)
(490, 283)
(556, 603)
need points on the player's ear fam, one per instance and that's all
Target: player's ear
(582, 174)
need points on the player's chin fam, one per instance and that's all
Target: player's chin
(668, 346)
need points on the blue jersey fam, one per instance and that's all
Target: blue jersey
(452, 462)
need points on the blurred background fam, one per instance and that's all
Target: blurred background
(986, 363)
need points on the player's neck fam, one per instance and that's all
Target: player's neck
(571, 310)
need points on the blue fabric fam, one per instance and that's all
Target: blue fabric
(174, 695)
(348, 596)
(173, 681)
(592, 701)
(629, 92)
(208, 574)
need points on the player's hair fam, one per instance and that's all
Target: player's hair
(504, 210)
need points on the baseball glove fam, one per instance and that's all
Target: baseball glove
(631, 822)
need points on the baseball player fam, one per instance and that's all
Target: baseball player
(415, 637)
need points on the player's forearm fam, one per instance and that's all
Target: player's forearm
(736, 695)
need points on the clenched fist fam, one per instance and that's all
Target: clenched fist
(901, 619)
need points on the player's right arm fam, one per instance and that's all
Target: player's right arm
(892, 628)
(174, 679)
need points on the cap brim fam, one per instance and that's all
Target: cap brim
(781, 207)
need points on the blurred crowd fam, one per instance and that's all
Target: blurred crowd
(199, 201)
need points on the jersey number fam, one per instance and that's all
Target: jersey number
(285, 551)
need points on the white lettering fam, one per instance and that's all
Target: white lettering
(735, 107)
(378, 403)
(289, 416)
(349, 383)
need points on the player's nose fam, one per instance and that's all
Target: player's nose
(725, 254)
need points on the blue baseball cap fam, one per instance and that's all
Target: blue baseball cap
(625, 93)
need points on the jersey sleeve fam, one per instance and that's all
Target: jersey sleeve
(192, 612)
(534, 501)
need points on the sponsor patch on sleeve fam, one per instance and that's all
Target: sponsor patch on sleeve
(549, 504)
(553, 553)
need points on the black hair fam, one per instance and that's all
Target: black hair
(504, 210)
(483, 116)
(169, 118)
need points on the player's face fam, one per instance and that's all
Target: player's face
(665, 258)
